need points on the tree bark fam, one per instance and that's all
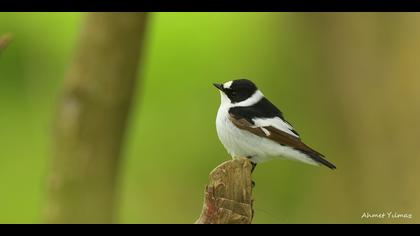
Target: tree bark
(367, 63)
(91, 119)
(228, 197)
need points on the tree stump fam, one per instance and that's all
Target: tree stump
(228, 196)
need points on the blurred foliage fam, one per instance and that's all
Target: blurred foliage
(342, 80)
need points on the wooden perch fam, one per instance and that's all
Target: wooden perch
(228, 197)
(5, 40)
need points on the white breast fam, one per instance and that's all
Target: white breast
(233, 139)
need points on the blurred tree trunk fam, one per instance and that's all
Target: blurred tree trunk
(91, 119)
(370, 69)
(4, 40)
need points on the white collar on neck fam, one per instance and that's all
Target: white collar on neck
(256, 97)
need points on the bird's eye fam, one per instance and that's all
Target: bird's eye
(233, 93)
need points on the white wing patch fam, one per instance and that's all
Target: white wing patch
(276, 122)
(267, 133)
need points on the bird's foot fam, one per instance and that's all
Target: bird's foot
(253, 166)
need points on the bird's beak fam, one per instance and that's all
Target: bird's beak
(218, 86)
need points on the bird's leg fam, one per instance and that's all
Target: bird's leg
(252, 170)
(253, 166)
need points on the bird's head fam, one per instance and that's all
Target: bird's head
(236, 91)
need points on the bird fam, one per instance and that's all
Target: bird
(250, 126)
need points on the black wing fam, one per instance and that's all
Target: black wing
(279, 137)
(262, 109)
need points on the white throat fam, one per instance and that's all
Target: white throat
(225, 101)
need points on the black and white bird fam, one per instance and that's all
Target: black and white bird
(250, 126)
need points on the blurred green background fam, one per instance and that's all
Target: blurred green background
(348, 82)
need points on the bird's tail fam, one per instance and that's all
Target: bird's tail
(317, 157)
